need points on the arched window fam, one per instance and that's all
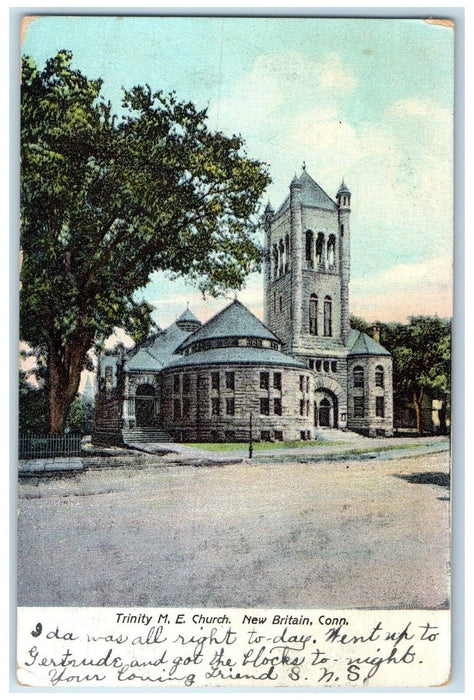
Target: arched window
(275, 261)
(327, 316)
(358, 376)
(309, 249)
(287, 253)
(282, 257)
(379, 375)
(313, 314)
(332, 250)
(319, 248)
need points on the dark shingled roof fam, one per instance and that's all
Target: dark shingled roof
(362, 344)
(144, 359)
(156, 355)
(312, 195)
(235, 321)
(343, 189)
(236, 356)
(188, 315)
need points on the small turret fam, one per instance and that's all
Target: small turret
(343, 196)
(295, 182)
(268, 216)
(188, 321)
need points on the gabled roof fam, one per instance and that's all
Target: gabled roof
(312, 195)
(157, 351)
(166, 343)
(144, 359)
(362, 344)
(235, 321)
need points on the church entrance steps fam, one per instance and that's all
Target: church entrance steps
(334, 434)
(133, 435)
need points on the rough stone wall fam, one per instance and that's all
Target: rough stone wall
(345, 269)
(371, 424)
(108, 418)
(199, 424)
(291, 291)
(321, 284)
(281, 321)
(323, 220)
(279, 287)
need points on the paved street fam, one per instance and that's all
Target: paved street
(370, 533)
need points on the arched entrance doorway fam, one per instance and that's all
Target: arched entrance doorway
(325, 409)
(145, 406)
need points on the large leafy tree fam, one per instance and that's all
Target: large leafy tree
(106, 200)
(422, 360)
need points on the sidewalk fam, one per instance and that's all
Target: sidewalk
(352, 447)
(340, 446)
(27, 467)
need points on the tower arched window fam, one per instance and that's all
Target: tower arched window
(327, 316)
(313, 314)
(309, 249)
(282, 257)
(332, 250)
(379, 379)
(275, 261)
(287, 252)
(358, 376)
(319, 248)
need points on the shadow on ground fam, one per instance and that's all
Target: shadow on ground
(436, 478)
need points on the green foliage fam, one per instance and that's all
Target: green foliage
(32, 406)
(421, 353)
(360, 325)
(80, 417)
(107, 200)
(34, 415)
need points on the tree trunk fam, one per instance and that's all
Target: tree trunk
(418, 400)
(64, 374)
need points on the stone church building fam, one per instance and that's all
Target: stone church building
(301, 371)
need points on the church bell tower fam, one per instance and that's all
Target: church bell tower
(307, 269)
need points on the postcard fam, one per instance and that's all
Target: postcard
(236, 247)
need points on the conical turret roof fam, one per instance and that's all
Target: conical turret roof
(187, 315)
(188, 321)
(343, 189)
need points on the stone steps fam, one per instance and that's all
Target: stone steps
(146, 435)
(336, 434)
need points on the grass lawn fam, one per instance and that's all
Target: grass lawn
(388, 448)
(234, 446)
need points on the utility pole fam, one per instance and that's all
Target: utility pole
(250, 438)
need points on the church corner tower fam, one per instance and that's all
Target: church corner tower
(306, 289)
(343, 199)
(294, 253)
(267, 225)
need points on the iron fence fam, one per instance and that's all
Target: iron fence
(35, 446)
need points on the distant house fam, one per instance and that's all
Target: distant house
(302, 371)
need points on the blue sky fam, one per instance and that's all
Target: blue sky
(367, 100)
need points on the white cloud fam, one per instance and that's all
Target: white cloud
(432, 274)
(292, 109)
(334, 77)
(278, 87)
